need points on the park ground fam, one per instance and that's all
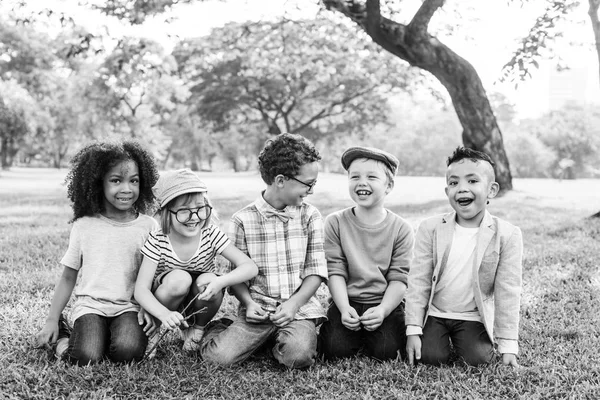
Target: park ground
(559, 332)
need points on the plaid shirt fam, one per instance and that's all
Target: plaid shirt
(285, 253)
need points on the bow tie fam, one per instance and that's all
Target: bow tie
(283, 215)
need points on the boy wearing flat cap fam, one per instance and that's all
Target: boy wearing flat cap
(368, 250)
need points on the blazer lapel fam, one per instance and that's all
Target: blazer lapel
(487, 230)
(444, 237)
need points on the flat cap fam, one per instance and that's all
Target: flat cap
(372, 153)
(175, 183)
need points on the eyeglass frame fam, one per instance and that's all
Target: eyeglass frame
(209, 212)
(310, 186)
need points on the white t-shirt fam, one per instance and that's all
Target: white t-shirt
(453, 297)
(107, 254)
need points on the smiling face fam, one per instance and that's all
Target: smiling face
(121, 187)
(191, 228)
(469, 185)
(368, 183)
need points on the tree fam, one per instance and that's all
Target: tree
(291, 76)
(413, 43)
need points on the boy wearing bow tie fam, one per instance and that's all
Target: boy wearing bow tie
(283, 235)
(368, 250)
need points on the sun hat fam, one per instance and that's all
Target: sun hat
(353, 153)
(175, 183)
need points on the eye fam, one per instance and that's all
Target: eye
(114, 180)
(451, 183)
(135, 180)
(473, 181)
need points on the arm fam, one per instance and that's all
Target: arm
(149, 302)
(245, 269)
(62, 293)
(419, 290)
(507, 295)
(339, 293)
(254, 312)
(287, 310)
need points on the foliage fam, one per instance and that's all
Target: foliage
(558, 330)
(295, 76)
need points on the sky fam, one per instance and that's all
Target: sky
(486, 36)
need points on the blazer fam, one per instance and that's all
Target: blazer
(497, 270)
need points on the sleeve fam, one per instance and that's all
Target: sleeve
(151, 248)
(507, 292)
(419, 277)
(315, 263)
(337, 264)
(402, 254)
(218, 240)
(237, 235)
(73, 257)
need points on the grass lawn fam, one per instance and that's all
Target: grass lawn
(560, 322)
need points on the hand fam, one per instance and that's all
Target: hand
(373, 318)
(510, 359)
(350, 318)
(147, 321)
(48, 335)
(413, 349)
(208, 286)
(172, 320)
(284, 314)
(255, 314)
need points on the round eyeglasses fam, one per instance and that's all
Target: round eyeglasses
(183, 215)
(310, 186)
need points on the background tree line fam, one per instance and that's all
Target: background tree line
(211, 101)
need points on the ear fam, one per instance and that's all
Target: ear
(493, 191)
(390, 186)
(446, 190)
(279, 181)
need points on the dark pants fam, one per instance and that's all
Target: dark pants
(469, 339)
(337, 341)
(119, 338)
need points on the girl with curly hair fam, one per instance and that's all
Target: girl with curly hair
(110, 187)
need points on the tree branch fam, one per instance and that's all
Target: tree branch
(420, 22)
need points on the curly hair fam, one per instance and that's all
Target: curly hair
(89, 166)
(285, 155)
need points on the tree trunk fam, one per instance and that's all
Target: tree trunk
(593, 13)
(415, 45)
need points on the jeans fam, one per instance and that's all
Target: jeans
(119, 338)
(295, 344)
(469, 339)
(337, 341)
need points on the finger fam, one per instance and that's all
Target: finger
(411, 356)
(140, 318)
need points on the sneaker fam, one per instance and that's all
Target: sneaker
(153, 344)
(64, 333)
(192, 337)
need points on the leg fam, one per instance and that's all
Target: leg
(384, 342)
(212, 305)
(296, 344)
(173, 288)
(88, 343)
(435, 342)
(337, 341)
(228, 345)
(127, 338)
(472, 342)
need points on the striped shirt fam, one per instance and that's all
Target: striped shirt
(285, 253)
(158, 249)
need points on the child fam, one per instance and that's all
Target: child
(179, 260)
(110, 186)
(284, 236)
(369, 250)
(465, 282)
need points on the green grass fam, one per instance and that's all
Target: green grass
(560, 324)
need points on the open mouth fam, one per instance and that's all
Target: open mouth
(463, 202)
(363, 192)
(122, 200)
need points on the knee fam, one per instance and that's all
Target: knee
(383, 351)
(213, 354)
(478, 355)
(177, 283)
(433, 356)
(85, 356)
(296, 354)
(127, 349)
